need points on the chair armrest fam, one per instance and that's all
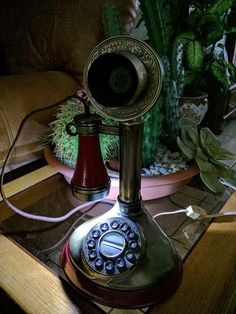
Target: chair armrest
(19, 95)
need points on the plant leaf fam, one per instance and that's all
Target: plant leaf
(214, 35)
(211, 181)
(209, 142)
(220, 6)
(231, 181)
(201, 154)
(194, 55)
(222, 170)
(223, 154)
(230, 177)
(188, 137)
(232, 71)
(219, 71)
(232, 30)
(210, 28)
(188, 152)
(204, 165)
(233, 173)
(189, 77)
(194, 136)
(186, 37)
(189, 133)
(184, 121)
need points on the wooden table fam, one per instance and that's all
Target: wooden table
(209, 277)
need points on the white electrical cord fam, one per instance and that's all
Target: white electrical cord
(196, 212)
(66, 235)
(51, 219)
(4, 197)
(170, 213)
(227, 183)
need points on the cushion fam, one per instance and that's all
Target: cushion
(54, 34)
(19, 95)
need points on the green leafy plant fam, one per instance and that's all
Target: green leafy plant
(204, 148)
(189, 36)
(203, 37)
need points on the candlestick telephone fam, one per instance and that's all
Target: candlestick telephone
(121, 258)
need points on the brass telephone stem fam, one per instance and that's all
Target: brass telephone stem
(131, 161)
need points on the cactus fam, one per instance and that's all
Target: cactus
(66, 146)
(111, 20)
(152, 127)
(159, 22)
(154, 18)
(153, 119)
(203, 147)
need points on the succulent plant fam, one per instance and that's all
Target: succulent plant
(203, 147)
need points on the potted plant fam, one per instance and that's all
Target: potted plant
(203, 41)
(190, 38)
(169, 171)
(160, 178)
(208, 74)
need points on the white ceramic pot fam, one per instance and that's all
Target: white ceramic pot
(194, 107)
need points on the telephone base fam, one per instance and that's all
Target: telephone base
(137, 298)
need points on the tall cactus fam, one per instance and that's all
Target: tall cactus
(111, 20)
(152, 12)
(153, 119)
(158, 18)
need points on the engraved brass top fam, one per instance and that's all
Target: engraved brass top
(143, 57)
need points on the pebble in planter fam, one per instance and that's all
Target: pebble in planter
(166, 162)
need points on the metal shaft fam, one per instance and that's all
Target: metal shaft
(130, 161)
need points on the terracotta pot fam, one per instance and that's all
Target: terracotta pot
(152, 187)
(194, 107)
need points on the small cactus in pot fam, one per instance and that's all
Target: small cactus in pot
(203, 147)
(65, 147)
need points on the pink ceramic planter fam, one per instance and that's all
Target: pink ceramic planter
(152, 187)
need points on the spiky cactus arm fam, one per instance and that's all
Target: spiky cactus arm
(111, 20)
(159, 23)
(152, 129)
(152, 12)
(174, 88)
